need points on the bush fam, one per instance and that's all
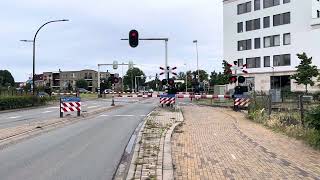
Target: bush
(15, 102)
(313, 138)
(312, 119)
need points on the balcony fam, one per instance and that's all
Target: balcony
(315, 22)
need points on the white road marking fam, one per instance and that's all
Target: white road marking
(46, 112)
(14, 117)
(234, 157)
(53, 107)
(104, 115)
(143, 115)
(92, 107)
(123, 115)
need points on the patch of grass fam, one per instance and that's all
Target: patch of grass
(289, 124)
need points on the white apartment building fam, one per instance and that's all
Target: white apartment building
(267, 34)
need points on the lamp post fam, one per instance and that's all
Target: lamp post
(34, 49)
(196, 42)
(186, 77)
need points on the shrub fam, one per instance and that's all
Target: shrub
(312, 119)
(15, 102)
(313, 138)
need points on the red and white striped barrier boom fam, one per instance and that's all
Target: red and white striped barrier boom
(203, 96)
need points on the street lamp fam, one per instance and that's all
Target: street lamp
(186, 77)
(196, 42)
(34, 49)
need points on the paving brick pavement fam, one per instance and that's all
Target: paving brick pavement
(218, 143)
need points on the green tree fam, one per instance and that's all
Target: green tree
(81, 83)
(105, 84)
(305, 71)
(129, 78)
(203, 75)
(6, 78)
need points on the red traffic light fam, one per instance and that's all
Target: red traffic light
(171, 82)
(115, 80)
(233, 79)
(133, 38)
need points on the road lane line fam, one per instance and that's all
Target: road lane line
(90, 107)
(46, 112)
(123, 115)
(14, 117)
(52, 107)
(234, 157)
(143, 115)
(104, 115)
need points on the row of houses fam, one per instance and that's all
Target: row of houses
(62, 80)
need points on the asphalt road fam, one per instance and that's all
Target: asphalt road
(11, 119)
(89, 149)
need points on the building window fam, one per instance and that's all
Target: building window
(270, 3)
(266, 61)
(244, 7)
(266, 22)
(240, 27)
(281, 19)
(244, 45)
(282, 60)
(257, 43)
(318, 13)
(286, 39)
(271, 41)
(286, 1)
(256, 5)
(240, 62)
(253, 62)
(280, 82)
(253, 24)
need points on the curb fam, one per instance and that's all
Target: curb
(167, 166)
(164, 166)
(132, 167)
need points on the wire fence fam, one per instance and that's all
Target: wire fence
(295, 107)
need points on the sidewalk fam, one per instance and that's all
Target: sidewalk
(219, 144)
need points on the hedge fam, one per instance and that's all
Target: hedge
(15, 102)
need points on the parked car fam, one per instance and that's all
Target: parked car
(107, 91)
(42, 94)
(82, 90)
(150, 90)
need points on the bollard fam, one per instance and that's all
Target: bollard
(78, 113)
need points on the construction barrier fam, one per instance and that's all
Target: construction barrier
(167, 99)
(70, 104)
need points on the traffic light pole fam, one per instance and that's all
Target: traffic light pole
(166, 50)
(99, 93)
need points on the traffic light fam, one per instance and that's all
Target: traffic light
(113, 79)
(241, 79)
(171, 82)
(133, 38)
(164, 82)
(233, 79)
(238, 90)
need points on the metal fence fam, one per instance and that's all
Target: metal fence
(297, 105)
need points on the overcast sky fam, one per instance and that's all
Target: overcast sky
(93, 34)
